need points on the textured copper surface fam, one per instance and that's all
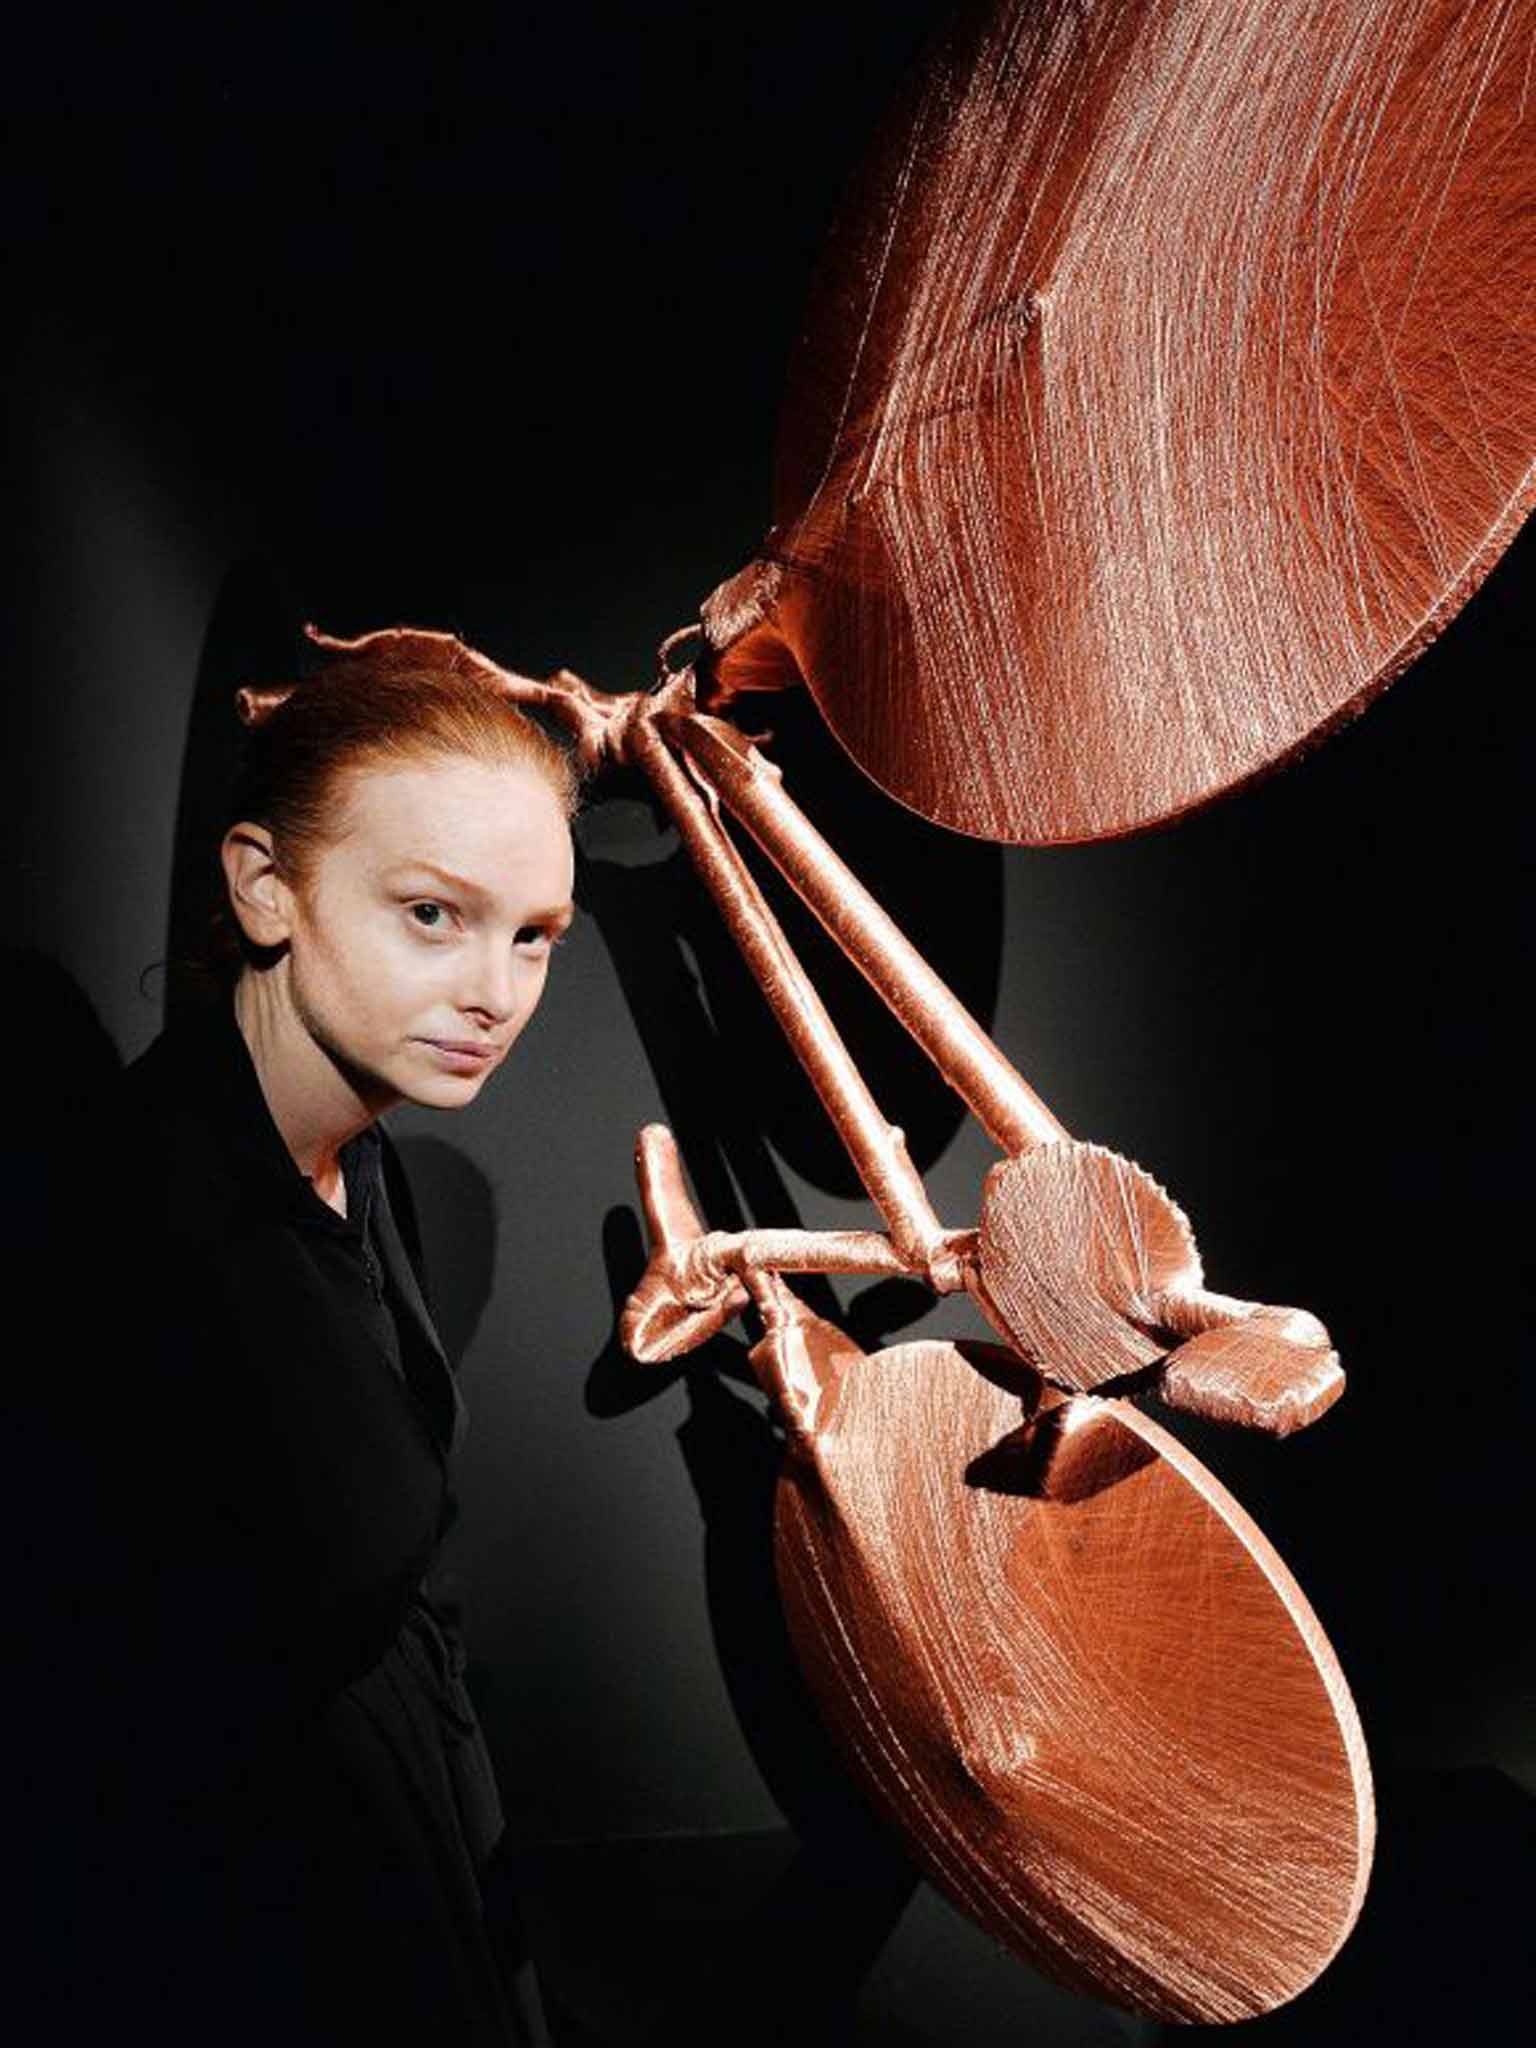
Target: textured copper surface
(1060, 1656)
(1172, 379)
(1091, 1272)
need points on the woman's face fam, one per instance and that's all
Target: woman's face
(426, 925)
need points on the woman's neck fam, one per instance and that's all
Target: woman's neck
(316, 1108)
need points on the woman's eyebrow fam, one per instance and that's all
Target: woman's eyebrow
(426, 867)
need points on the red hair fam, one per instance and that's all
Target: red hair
(402, 695)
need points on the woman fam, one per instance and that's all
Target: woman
(262, 1807)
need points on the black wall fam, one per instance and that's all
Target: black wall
(478, 319)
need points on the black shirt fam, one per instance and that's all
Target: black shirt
(259, 1803)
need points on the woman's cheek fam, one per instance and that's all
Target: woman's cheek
(416, 952)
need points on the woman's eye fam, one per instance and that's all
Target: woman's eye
(537, 938)
(431, 917)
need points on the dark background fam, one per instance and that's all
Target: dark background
(478, 318)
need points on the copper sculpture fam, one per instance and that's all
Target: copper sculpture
(1170, 385)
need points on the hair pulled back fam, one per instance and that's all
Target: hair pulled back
(391, 698)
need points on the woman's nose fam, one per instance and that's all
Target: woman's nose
(494, 985)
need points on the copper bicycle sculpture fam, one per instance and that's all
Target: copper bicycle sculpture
(1169, 385)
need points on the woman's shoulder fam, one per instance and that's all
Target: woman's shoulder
(159, 1139)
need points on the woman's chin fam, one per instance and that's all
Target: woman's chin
(444, 1091)
(438, 1081)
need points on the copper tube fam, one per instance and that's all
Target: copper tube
(878, 1149)
(1007, 1108)
(744, 1253)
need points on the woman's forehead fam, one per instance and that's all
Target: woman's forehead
(458, 813)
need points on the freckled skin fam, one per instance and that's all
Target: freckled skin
(380, 955)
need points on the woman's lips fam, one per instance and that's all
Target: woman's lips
(462, 1056)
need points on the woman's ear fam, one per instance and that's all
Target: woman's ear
(258, 895)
